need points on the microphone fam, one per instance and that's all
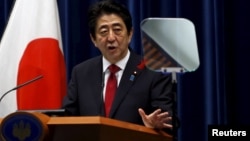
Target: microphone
(21, 85)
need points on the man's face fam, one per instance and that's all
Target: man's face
(112, 37)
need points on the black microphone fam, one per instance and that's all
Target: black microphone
(21, 85)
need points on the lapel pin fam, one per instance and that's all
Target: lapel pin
(132, 77)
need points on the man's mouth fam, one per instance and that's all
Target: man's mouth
(111, 47)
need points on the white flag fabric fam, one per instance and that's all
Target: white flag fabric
(31, 46)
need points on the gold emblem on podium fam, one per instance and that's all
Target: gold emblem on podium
(21, 130)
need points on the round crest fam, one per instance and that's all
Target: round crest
(23, 126)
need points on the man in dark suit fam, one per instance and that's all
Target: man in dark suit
(142, 97)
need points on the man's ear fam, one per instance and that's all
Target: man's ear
(93, 39)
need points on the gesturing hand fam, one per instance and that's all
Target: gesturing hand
(156, 119)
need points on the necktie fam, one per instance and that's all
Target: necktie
(110, 88)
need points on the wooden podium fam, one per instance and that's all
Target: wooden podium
(94, 128)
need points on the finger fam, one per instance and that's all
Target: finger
(165, 125)
(166, 119)
(142, 113)
(156, 112)
(163, 115)
(161, 125)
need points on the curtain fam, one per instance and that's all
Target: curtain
(215, 93)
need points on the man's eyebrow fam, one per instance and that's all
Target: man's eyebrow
(116, 24)
(105, 26)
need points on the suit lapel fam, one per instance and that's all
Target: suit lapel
(129, 77)
(98, 84)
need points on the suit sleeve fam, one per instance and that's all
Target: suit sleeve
(70, 100)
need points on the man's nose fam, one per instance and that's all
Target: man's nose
(111, 36)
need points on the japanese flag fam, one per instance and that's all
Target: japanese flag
(31, 47)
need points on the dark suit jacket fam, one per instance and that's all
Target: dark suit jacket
(148, 90)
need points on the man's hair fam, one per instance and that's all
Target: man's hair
(108, 7)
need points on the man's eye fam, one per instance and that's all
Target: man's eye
(104, 32)
(117, 31)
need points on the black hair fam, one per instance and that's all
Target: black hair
(108, 7)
